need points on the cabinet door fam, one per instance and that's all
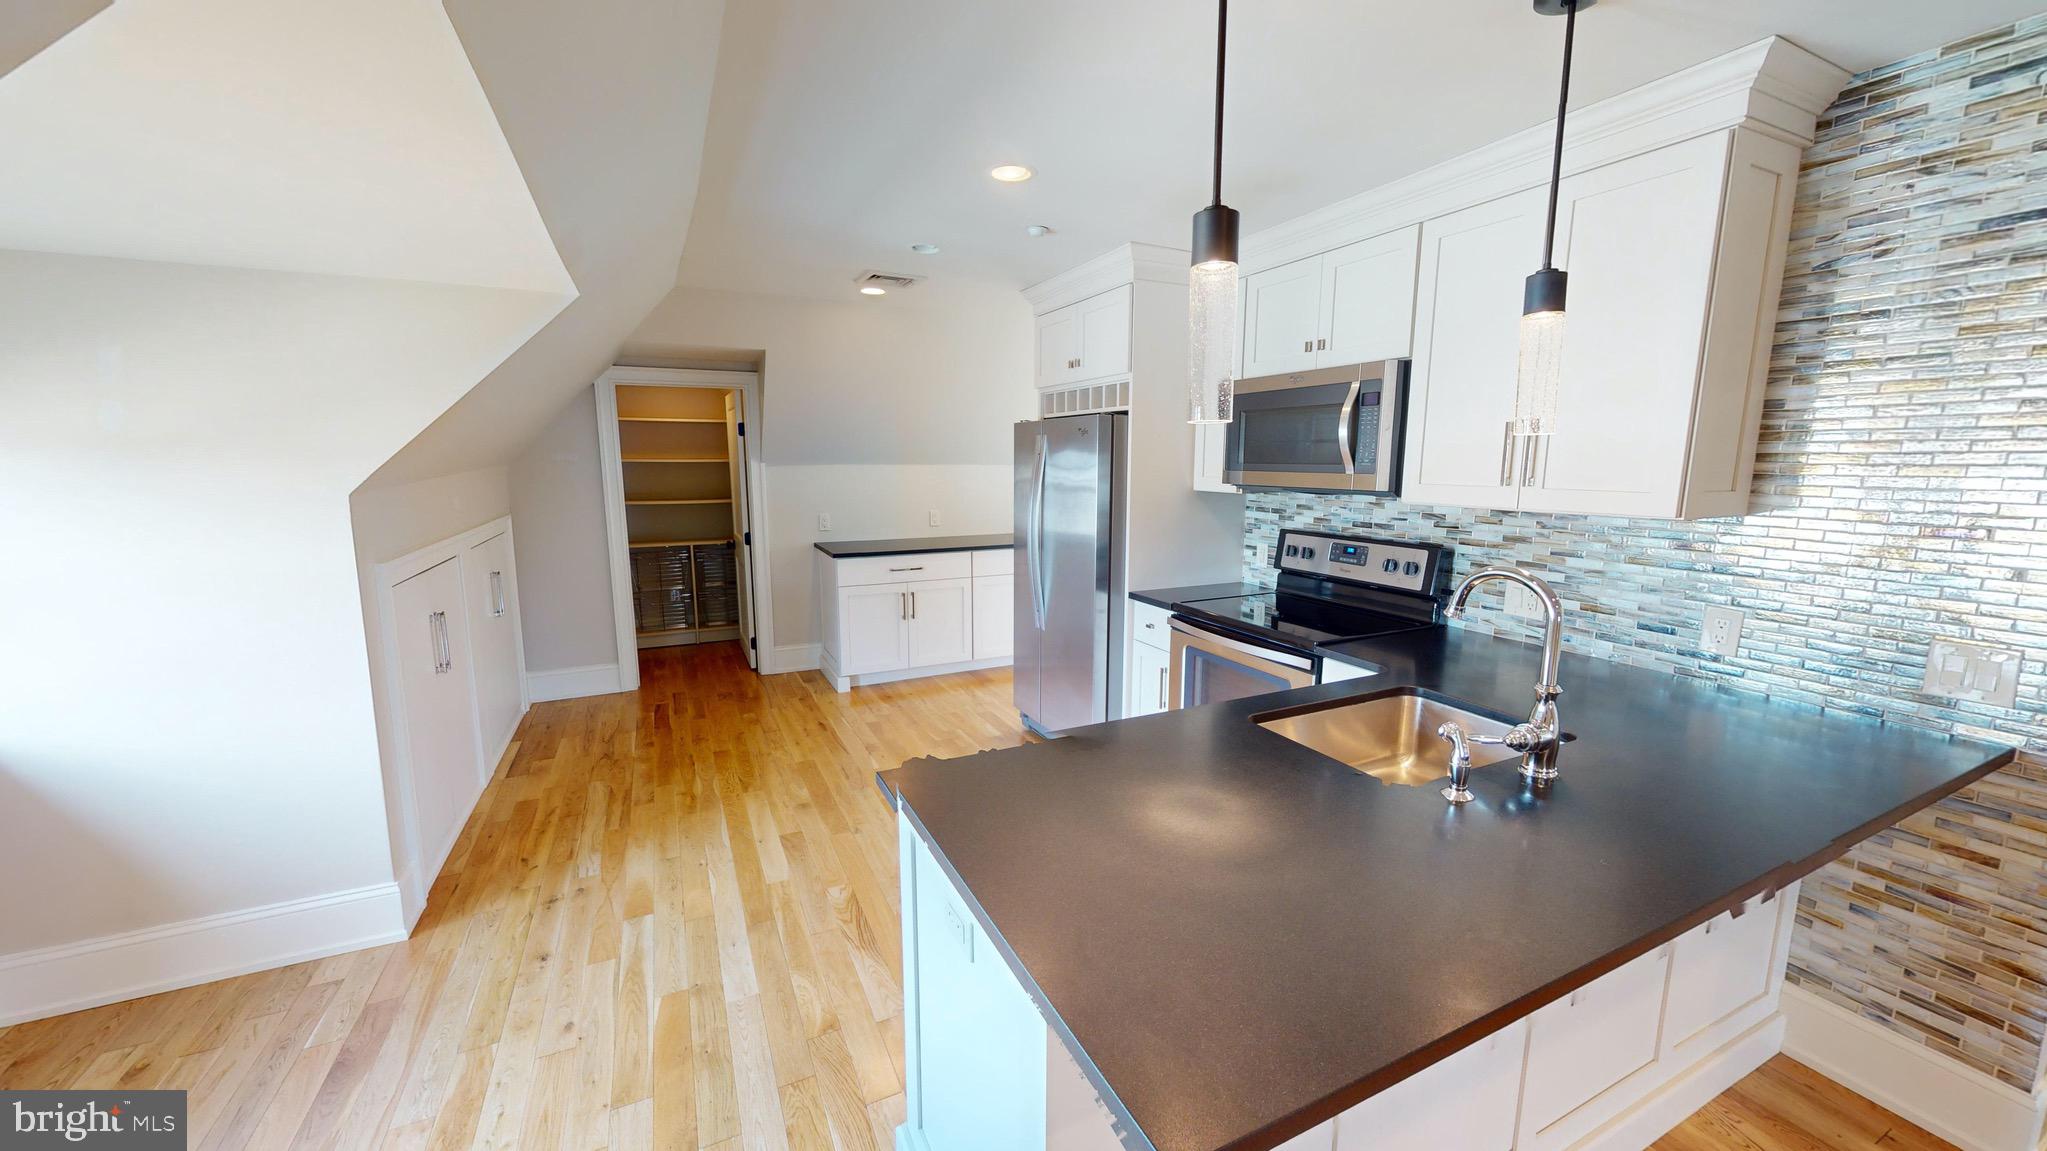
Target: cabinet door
(1368, 300)
(994, 616)
(440, 709)
(1058, 347)
(1585, 1043)
(1466, 1101)
(941, 621)
(1104, 335)
(1717, 969)
(1150, 671)
(491, 598)
(1282, 316)
(1467, 344)
(1211, 442)
(1638, 239)
(874, 628)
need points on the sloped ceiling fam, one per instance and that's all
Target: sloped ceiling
(846, 132)
(605, 104)
(29, 26)
(284, 135)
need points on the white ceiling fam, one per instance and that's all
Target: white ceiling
(843, 132)
(292, 135)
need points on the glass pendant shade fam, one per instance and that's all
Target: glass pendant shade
(1542, 370)
(1211, 341)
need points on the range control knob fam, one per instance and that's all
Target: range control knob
(1411, 568)
(1292, 550)
(1391, 565)
(1307, 553)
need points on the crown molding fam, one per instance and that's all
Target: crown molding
(1773, 87)
(1124, 264)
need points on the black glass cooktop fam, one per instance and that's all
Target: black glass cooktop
(1297, 621)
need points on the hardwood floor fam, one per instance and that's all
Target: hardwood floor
(671, 923)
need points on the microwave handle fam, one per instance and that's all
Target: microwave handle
(1344, 422)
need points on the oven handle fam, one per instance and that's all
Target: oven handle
(1207, 635)
(1344, 420)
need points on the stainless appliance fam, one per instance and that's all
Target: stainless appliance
(1330, 588)
(1329, 430)
(1069, 569)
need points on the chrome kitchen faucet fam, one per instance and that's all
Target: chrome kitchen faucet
(1536, 739)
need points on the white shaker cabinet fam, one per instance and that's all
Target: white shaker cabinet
(1086, 341)
(1465, 1101)
(874, 628)
(1590, 1040)
(492, 598)
(439, 707)
(1346, 306)
(941, 621)
(1675, 259)
(888, 617)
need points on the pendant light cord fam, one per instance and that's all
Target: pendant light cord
(1556, 170)
(1222, 32)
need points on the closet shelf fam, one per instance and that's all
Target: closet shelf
(672, 503)
(676, 459)
(677, 543)
(671, 419)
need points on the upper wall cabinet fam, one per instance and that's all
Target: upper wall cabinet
(1087, 341)
(1348, 306)
(1675, 258)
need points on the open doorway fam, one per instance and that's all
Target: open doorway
(681, 488)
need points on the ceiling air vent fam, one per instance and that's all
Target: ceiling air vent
(889, 281)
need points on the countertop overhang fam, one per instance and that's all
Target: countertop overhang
(1238, 937)
(915, 545)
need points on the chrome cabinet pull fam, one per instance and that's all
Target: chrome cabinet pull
(497, 593)
(437, 634)
(918, 568)
(903, 605)
(1162, 689)
(1307, 345)
(1507, 456)
(1529, 451)
(1322, 345)
(913, 605)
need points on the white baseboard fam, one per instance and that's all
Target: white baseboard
(572, 682)
(74, 976)
(1654, 1116)
(1962, 1106)
(793, 657)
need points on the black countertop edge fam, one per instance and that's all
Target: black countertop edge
(916, 545)
(1170, 598)
(1468, 667)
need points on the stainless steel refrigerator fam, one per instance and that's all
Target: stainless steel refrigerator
(1070, 478)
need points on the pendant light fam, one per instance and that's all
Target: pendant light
(1542, 301)
(1212, 284)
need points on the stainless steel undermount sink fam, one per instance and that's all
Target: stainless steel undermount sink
(1393, 738)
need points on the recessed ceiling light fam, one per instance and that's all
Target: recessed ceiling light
(871, 290)
(1036, 230)
(1011, 173)
(925, 249)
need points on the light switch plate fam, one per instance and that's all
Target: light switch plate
(1974, 672)
(824, 521)
(934, 517)
(1721, 633)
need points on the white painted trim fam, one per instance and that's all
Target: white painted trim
(869, 679)
(1957, 1103)
(795, 657)
(1772, 86)
(1654, 1116)
(74, 976)
(1112, 269)
(747, 384)
(573, 682)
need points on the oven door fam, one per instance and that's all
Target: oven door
(1209, 668)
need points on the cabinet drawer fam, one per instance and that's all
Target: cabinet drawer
(1719, 967)
(1148, 625)
(1592, 1039)
(995, 561)
(904, 569)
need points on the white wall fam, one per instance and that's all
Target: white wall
(185, 714)
(877, 411)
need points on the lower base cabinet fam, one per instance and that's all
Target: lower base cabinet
(1610, 1067)
(895, 617)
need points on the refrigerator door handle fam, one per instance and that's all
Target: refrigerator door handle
(1034, 538)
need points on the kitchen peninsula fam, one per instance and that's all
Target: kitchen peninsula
(1185, 932)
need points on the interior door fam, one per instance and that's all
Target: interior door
(491, 597)
(440, 711)
(1467, 350)
(1282, 309)
(1632, 344)
(1074, 556)
(742, 522)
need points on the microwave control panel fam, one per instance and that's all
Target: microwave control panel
(1371, 562)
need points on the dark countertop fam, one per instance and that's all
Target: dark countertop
(848, 549)
(1239, 937)
(1166, 597)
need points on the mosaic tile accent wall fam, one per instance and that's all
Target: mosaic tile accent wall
(1901, 494)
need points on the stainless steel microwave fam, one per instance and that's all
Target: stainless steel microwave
(1329, 430)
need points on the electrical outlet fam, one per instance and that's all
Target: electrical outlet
(824, 521)
(1973, 672)
(933, 517)
(1721, 634)
(1521, 603)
